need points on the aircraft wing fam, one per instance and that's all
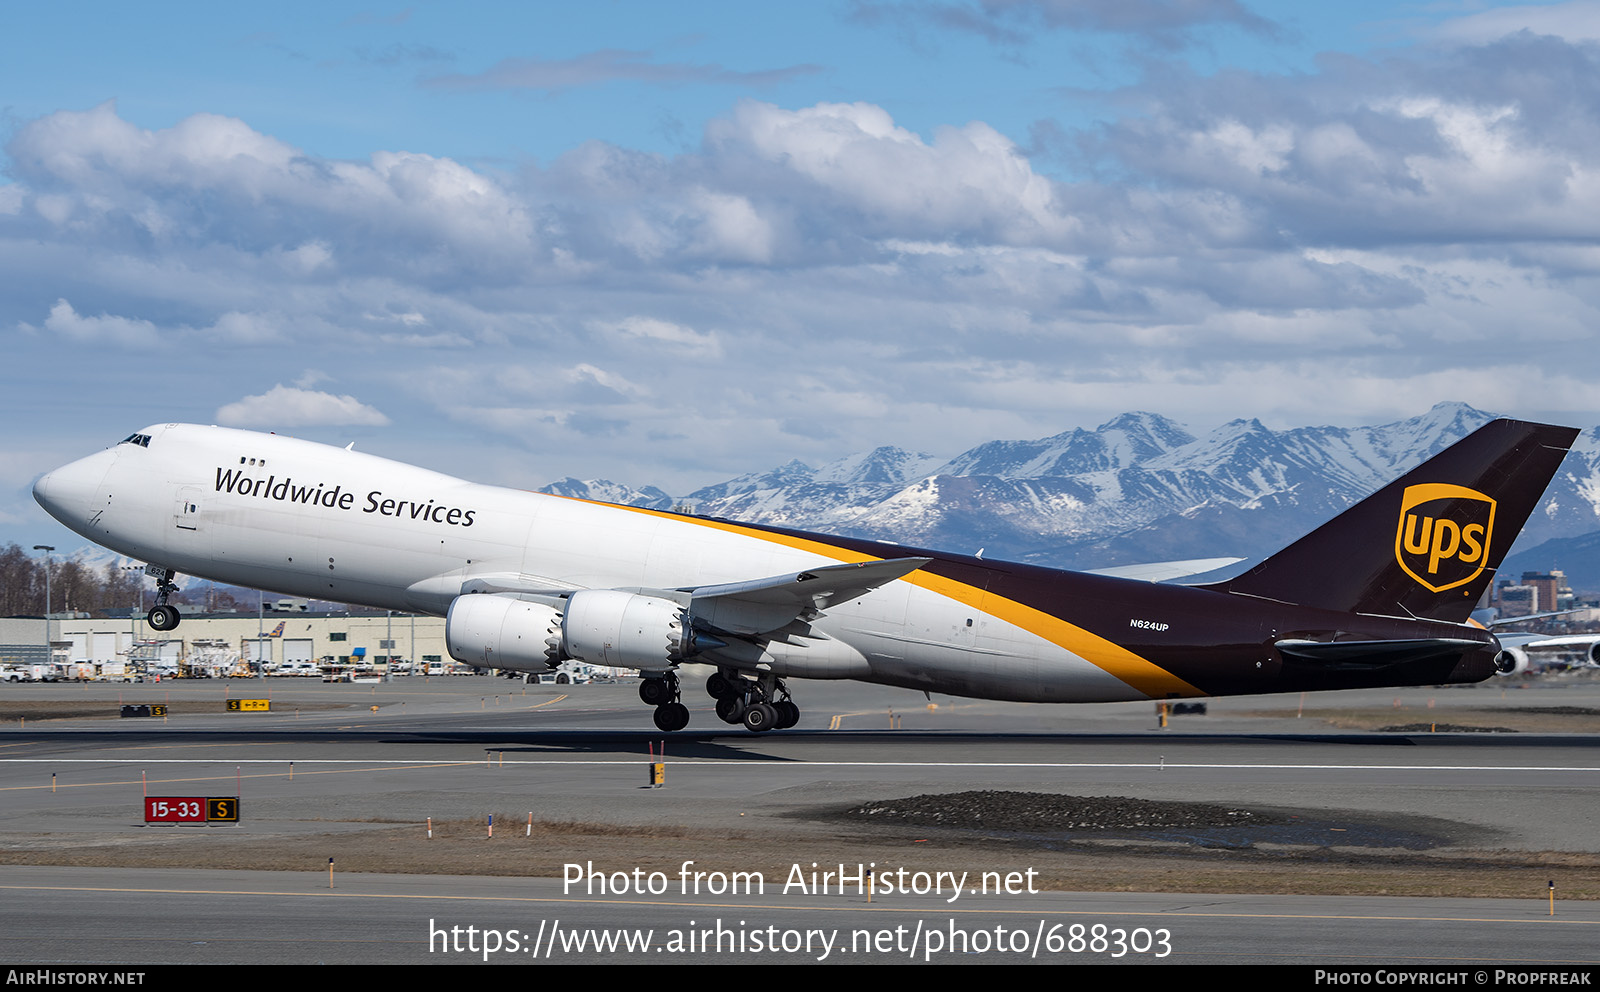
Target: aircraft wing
(1567, 641)
(1516, 646)
(1163, 571)
(762, 605)
(751, 607)
(1503, 621)
(1547, 641)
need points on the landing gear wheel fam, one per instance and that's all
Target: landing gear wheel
(760, 718)
(162, 617)
(718, 687)
(655, 692)
(672, 716)
(730, 710)
(788, 714)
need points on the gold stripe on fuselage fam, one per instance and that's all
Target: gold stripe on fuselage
(1112, 658)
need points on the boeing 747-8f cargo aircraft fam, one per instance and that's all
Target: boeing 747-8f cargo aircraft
(1379, 596)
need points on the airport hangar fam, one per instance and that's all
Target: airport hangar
(278, 640)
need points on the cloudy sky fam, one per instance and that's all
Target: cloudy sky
(671, 243)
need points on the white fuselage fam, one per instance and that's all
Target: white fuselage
(311, 520)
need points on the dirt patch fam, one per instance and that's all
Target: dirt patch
(1060, 821)
(1035, 812)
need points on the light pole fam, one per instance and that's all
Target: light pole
(133, 618)
(138, 582)
(49, 642)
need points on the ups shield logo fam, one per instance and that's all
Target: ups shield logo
(1443, 535)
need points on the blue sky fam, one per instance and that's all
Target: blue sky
(671, 243)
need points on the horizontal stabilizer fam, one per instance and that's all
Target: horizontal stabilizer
(1374, 654)
(762, 605)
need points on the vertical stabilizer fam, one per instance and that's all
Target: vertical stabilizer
(1428, 544)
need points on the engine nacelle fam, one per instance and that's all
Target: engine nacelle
(612, 628)
(1511, 661)
(499, 632)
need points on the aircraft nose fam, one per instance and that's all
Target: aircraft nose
(67, 493)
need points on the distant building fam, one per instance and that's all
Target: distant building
(1554, 593)
(1516, 600)
(1538, 592)
(272, 641)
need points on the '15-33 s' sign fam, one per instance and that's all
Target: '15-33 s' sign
(191, 809)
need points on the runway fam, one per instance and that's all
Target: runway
(322, 769)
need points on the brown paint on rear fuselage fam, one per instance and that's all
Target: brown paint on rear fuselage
(1219, 643)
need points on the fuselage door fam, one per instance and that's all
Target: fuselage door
(186, 516)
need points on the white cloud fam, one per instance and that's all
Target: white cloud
(213, 178)
(971, 178)
(816, 280)
(731, 227)
(1478, 145)
(585, 373)
(650, 331)
(125, 332)
(239, 328)
(1576, 20)
(288, 406)
(597, 68)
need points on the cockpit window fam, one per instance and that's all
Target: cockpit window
(142, 440)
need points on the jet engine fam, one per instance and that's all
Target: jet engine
(626, 630)
(500, 632)
(1511, 661)
(606, 627)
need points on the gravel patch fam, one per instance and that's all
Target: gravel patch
(1034, 812)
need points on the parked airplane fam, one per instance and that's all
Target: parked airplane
(1514, 649)
(1379, 596)
(1514, 659)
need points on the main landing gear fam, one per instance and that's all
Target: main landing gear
(661, 691)
(161, 616)
(761, 704)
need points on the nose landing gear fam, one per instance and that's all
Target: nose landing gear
(161, 616)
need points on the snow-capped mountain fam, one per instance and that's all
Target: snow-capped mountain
(606, 491)
(1137, 488)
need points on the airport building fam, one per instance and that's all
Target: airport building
(300, 643)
